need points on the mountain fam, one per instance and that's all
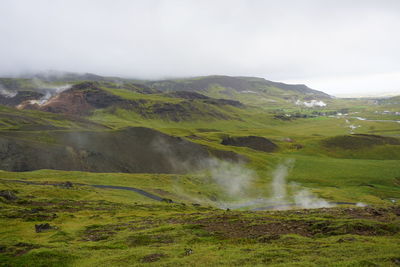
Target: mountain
(251, 91)
(93, 125)
(202, 83)
(232, 87)
(84, 98)
(239, 84)
(86, 122)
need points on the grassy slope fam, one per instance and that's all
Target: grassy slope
(105, 227)
(335, 179)
(311, 160)
(308, 133)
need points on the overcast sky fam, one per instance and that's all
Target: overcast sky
(340, 47)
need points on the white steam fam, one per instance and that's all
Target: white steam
(43, 100)
(307, 200)
(360, 204)
(48, 90)
(299, 197)
(7, 93)
(278, 184)
(236, 183)
(311, 104)
(161, 145)
(233, 179)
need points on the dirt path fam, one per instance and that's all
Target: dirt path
(155, 197)
(137, 190)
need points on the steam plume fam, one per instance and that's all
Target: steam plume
(278, 185)
(300, 197)
(307, 200)
(6, 93)
(234, 179)
(48, 90)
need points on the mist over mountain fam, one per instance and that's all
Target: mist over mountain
(338, 47)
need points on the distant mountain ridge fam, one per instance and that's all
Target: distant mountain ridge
(63, 76)
(239, 84)
(197, 96)
(201, 83)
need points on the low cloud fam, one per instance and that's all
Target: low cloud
(311, 41)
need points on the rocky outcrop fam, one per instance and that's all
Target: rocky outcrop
(81, 99)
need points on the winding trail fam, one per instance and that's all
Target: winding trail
(137, 190)
(158, 198)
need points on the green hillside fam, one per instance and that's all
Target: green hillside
(249, 90)
(205, 171)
